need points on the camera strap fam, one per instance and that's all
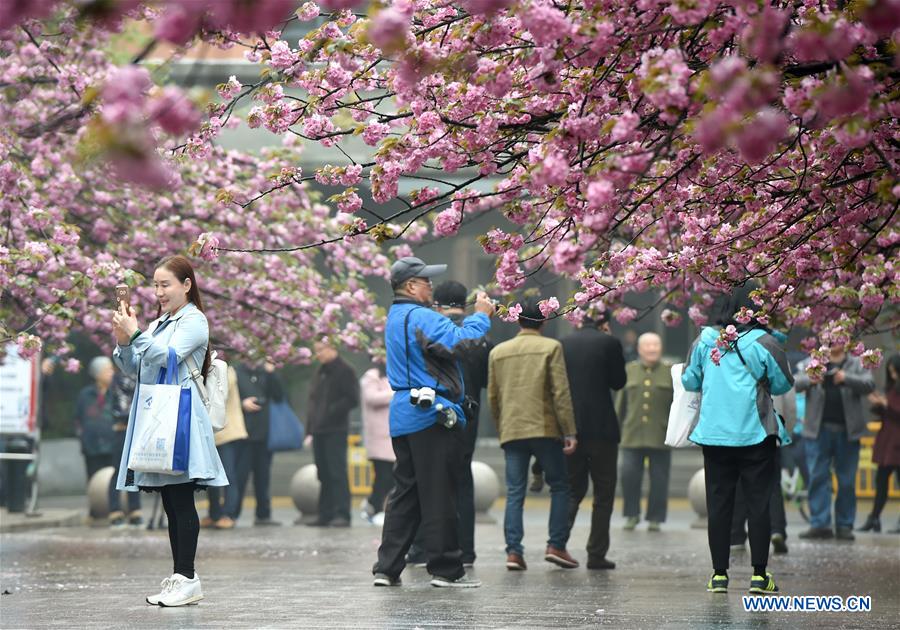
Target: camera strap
(406, 343)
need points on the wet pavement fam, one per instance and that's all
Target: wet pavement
(294, 576)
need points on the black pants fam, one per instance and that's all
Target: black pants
(330, 454)
(184, 526)
(777, 517)
(754, 468)
(382, 484)
(255, 458)
(594, 459)
(425, 491)
(465, 500)
(632, 474)
(882, 484)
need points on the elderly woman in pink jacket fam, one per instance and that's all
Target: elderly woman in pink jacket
(376, 399)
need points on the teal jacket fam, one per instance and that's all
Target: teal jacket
(736, 405)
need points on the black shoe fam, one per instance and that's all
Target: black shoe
(844, 533)
(778, 543)
(817, 533)
(265, 522)
(872, 524)
(339, 522)
(317, 523)
(600, 563)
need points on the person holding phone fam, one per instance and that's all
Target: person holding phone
(835, 421)
(181, 326)
(258, 386)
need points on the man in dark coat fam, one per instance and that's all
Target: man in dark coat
(333, 393)
(258, 387)
(595, 364)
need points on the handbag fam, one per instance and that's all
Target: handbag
(684, 412)
(286, 432)
(160, 440)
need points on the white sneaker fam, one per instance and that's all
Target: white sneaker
(182, 591)
(165, 585)
(378, 519)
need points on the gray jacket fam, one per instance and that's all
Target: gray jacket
(858, 382)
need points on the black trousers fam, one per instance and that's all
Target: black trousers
(466, 496)
(254, 458)
(330, 454)
(184, 526)
(754, 468)
(594, 459)
(382, 484)
(777, 517)
(425, 491)
(882, 485)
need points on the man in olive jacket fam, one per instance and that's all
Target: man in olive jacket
(529, 397)
(596, 365)
(643, 407)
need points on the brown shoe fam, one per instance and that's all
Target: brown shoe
(560, 557)
(515, 562)
(206, 522)
(224, 523)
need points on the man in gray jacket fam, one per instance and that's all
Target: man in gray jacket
(835, 421)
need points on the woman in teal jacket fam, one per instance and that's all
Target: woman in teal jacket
(183, 328)
(738, 430)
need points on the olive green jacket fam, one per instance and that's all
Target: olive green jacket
(528, 388)
(643, 405)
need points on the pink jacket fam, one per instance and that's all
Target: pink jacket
(376, 401)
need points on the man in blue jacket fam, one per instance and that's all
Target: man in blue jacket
(426, 420)
(738, 430)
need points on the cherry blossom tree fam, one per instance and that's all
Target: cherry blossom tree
(679, 147)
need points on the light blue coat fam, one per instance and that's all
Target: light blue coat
(736, 407)
(185, 332)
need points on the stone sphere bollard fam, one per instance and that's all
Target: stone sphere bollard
(98, 492)
(487, 487)
(305, 488)
(697, 497)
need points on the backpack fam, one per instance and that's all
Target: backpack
(214, 392)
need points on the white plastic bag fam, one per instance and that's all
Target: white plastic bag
(160, 440)
(684, 412)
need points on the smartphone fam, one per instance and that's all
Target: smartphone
(123, 296)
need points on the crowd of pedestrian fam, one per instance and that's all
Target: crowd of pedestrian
(588, 410)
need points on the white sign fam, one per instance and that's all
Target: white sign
(18, 393)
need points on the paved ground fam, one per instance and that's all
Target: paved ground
(291, 577)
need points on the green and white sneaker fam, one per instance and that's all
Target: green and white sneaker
(630, 523)
(763, 585)
(717, 584)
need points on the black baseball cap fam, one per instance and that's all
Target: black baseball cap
(450, 294)
(412, 267)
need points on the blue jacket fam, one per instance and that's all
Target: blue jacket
(187, 332)
(431, 341)
(736, 405)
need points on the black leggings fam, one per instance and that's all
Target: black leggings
(754, 468)
(184, 525)
(882, 483)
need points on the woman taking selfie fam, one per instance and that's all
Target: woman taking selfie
(181, 327)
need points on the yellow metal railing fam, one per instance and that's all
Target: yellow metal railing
(865, 474)
(359, 468)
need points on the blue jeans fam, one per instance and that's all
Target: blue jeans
(832, 448)
(548, 452)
